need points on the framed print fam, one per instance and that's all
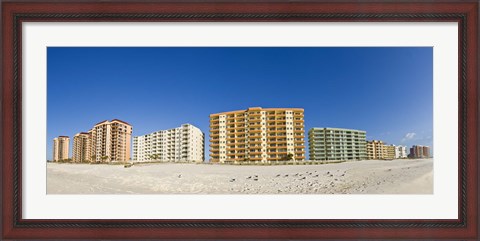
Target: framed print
(227, 120)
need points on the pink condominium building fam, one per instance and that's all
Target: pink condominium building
(61, 148)
(110, 141)
(107, 141)
(81, 147)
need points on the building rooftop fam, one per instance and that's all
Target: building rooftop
(81, 133)
(171, 130)
(101, 122)
(255, 108)
(333, 128)
(121, 121)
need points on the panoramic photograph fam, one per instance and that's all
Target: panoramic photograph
(239, 120)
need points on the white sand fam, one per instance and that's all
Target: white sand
(363, 177)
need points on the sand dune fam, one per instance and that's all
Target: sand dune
(360, 177)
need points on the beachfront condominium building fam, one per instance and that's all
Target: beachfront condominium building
(376, 150)
(332, 144)
(389, 152)
(110, 141)
(400, 152)
(181, 144)
(81, 147)
(417, 151)
(60, 148)
(257, 135)
(426, 151)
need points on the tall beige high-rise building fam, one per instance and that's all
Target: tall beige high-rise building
(257, 135)
(60, 148)
(376, 150)
(111, 141)
(81, 147)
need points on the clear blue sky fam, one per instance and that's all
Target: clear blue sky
(385, 91)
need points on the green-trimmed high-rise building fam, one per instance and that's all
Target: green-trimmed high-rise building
(336, 144)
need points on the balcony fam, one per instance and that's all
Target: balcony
(256, 114)
(256, 130)
(216, 124)
(254, 119)
(255, 124)
(255, 138)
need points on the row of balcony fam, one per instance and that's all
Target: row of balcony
(243, 146)
(256, 152)
(215, 141)
(328, 145)
(337, 140)
(252, 123)
(244, 138)
(163, 142)
(257, 131)
(339, 151)
(319, 138)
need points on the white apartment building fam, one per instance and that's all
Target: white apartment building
(400, 152)
(181, 144)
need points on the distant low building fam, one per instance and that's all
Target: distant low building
(417, 151)
(61, 148)
(331, 144)
(400, 152)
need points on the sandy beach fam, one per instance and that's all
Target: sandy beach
(359, 177)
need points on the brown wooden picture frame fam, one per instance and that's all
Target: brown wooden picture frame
(14, 13)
